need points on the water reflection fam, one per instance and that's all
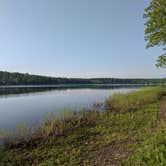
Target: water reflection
(20, 104)
(8, 91)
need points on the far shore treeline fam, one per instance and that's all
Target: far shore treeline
(8, 78)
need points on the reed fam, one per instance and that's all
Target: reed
(134, 100)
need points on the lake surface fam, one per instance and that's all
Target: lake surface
(30, 104)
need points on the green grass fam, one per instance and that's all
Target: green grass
(133, 100)
(133, 136)
(152, 151)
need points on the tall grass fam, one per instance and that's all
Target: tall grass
(51, 126)
(133, 100)
(21, 133)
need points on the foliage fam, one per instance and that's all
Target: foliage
(161, 61)
(155, 31)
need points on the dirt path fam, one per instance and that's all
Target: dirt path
(114, 154)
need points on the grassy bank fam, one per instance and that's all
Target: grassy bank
(130, 131)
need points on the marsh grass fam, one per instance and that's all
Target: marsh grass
(134, 100)
(50, 126)
(21, 133)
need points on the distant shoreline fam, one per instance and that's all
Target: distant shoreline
(20, 80)
(74, 85)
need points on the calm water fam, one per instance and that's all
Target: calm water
(18, 105)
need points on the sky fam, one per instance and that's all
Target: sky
(76, 38)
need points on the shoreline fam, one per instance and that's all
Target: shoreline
(127, 123)
(74, 85)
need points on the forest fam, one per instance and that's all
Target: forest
(8, 78)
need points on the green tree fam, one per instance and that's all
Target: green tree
(155, 32)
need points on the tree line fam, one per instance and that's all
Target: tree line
(7, 78)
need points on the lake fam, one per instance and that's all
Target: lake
(29, 104)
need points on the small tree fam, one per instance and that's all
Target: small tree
(155, 32)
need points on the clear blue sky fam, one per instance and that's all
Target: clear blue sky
(76, 38)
